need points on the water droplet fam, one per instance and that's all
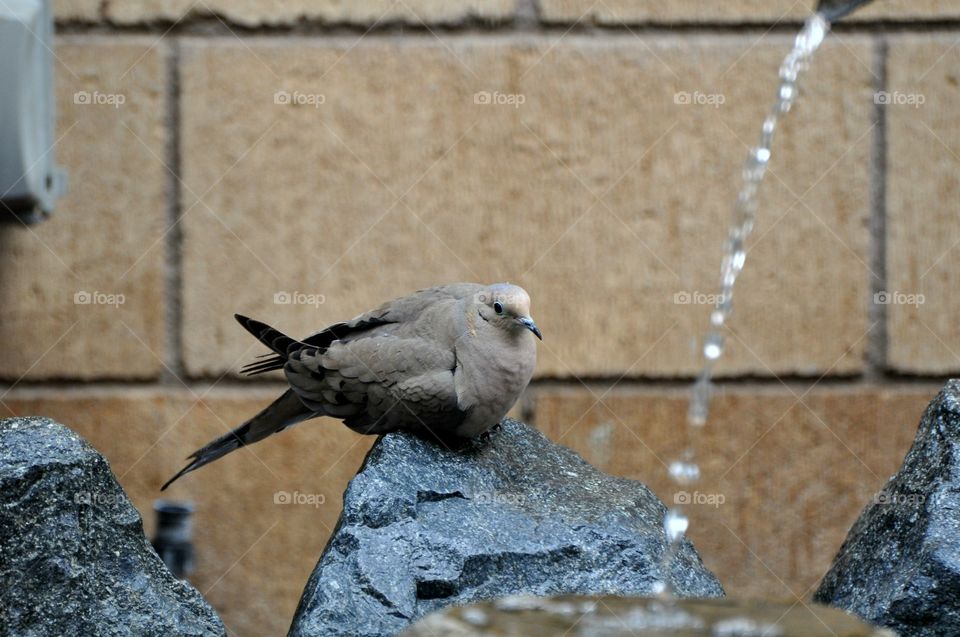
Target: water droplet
(699, 406)
(787, 91)
(475, 617)
(675, 523)
(729, 278)
(739, 258)
(789, 72)
(814, 31)
(713, 348)
(727, 267)
(745, 627)
(769, 128)
(684, 472)
(697, 416)
(702, 385)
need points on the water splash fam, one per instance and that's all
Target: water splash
(685, 470)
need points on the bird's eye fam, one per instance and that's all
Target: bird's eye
(498, 308)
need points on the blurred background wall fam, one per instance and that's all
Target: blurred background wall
(301, 162)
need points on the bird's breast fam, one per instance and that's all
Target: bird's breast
(501, 378)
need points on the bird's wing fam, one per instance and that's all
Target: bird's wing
(402, 310)
(410, 308)
(380, 383)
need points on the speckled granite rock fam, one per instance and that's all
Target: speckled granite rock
(626, 617)
(900, 564)
(424, 527)
(73, 556)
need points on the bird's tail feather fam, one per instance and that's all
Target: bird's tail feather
(285, 411)
(269, 336)
(273, 338)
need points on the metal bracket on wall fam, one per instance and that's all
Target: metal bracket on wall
(833, 10)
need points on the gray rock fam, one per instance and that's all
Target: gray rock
(424, 527)
(73, 556)
(608, 616)
(900, 564)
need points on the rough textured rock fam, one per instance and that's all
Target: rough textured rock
(900, 565)
(424, 527)
(522, 616)
(73, 556)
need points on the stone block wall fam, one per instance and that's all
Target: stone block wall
(302, 161)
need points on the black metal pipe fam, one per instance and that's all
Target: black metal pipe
(172, 540)
(834, 10)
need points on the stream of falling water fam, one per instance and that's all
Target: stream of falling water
(684, 471)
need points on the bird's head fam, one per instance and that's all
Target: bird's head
(507, 307)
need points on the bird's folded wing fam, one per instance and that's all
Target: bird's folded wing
(409, 308)
(379, 383)
(406, 309)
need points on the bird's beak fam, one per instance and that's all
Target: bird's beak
(528, 323)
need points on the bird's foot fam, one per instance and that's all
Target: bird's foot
(487, 435)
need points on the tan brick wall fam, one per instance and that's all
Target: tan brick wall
(613, 12)
(442, 185)
(247, 13)
(601, 192)
(924, 202)
(794, 467)
(106, 238)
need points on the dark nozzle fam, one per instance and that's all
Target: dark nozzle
(834, 10)
(172, 540)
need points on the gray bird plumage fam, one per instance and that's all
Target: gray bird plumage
(443, 361)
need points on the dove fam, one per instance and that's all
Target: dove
(447, 361)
